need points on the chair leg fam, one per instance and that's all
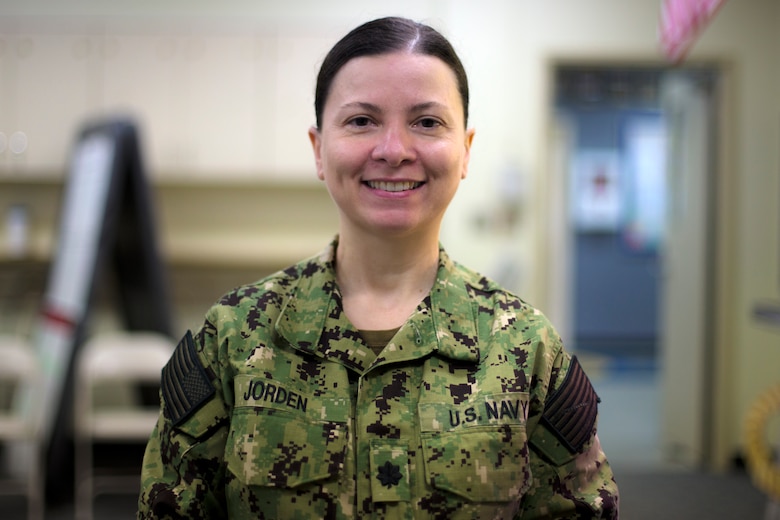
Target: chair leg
(84, 482)
(772, 510)
(35, 500)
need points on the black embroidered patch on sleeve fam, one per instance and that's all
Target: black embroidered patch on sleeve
(571, 411)
(185, 385)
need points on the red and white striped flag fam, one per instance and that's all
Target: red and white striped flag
(681, 23)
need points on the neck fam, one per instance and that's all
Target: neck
(383, 280)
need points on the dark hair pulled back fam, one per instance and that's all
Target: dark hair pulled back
(383, 36)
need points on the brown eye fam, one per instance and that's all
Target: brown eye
(360, 121)
(428, 122)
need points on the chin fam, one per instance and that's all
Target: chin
(398, 230)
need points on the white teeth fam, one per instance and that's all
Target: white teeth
(393, 186)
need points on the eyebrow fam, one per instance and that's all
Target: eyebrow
(370, 107)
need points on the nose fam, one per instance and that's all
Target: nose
(394, 145)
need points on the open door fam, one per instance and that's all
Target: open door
(660, 123)
(687, 273)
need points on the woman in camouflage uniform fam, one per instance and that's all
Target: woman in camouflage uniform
(379, 379)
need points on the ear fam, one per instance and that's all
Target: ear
(316, 145)
(469, 138)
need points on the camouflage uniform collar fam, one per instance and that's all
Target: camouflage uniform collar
(312, 318)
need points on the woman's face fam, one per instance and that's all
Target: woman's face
(392, 146)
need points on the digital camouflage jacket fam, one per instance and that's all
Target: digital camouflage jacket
(277, 409)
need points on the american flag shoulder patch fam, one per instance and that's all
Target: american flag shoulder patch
(185, 385)
(571, 411)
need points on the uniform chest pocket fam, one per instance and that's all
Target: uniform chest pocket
(274, 448)
(481, 463)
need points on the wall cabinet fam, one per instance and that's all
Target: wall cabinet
(45, 87)
(298, 59)
(210, 103)
(198, 99)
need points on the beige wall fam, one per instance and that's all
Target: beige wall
(755, 129)
(253, 131)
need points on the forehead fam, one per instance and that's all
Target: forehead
(394, 74)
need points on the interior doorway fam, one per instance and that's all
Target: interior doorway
(633, 178)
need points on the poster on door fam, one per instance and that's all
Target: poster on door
(645, 187)
(595, 191)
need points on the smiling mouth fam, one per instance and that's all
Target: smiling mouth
(393, 186)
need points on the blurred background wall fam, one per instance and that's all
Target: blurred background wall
(223, 95)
